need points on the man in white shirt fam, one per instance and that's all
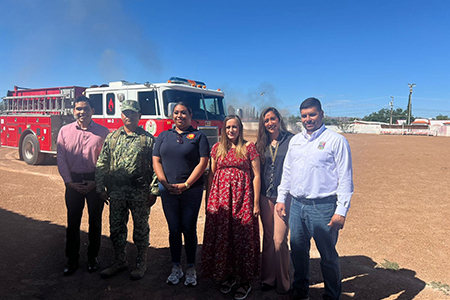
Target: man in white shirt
(318, 173)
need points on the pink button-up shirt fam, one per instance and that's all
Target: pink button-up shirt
(78, 149)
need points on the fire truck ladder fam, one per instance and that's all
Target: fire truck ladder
(41, 104)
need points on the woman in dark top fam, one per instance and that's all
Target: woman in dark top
(272, 144)
(180, 158)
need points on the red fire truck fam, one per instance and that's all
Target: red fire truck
(32, 117)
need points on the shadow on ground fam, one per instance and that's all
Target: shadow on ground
(32, 260)
(361, 280)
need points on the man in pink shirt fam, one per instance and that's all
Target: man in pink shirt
(78, 146)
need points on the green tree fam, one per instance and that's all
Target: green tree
(442, 117)
(330, 121)
(384, 115)
(292, 122)
(293, 119)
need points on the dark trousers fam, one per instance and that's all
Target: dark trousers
(181, 213)
(75, 205)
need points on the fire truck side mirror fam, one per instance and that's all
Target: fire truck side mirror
(170, 108)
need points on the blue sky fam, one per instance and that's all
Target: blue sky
(352, 55)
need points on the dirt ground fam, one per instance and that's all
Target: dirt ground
(400, 214)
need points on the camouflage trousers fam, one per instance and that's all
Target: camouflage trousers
(118, 219)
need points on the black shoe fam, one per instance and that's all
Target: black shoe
(70, 268)
(93, 265)
(266, 287)
(296, 295)
(288, 292)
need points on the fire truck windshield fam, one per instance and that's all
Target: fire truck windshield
(204, 106)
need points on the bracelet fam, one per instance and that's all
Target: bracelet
(187, 185)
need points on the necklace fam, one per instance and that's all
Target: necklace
(273, 153)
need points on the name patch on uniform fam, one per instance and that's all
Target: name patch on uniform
(321, 145)
(191, 136)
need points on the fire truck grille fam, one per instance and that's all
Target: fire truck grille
(212, 133)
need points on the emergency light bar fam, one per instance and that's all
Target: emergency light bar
(193, 83)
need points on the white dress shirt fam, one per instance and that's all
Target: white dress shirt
(317, 166)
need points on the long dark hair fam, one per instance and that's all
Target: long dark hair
(263, 139)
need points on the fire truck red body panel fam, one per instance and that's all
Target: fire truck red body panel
(45, 91)
(34, 116)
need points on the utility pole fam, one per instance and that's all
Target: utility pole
(411, 85)
(392, 107)
(262, 100)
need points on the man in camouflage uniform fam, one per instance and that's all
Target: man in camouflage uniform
(125, 176)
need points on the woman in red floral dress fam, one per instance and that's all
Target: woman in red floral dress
(231, 243)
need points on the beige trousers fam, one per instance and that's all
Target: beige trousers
(275, 254)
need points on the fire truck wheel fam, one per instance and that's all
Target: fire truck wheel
(30, 150)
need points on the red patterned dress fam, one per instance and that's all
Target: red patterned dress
(231, 239)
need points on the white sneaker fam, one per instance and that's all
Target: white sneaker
(191, 277)
(175, 276)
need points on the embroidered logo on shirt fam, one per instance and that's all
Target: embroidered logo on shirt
(321, 145)
(191, 136)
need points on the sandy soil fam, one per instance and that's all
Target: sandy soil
(400, 213)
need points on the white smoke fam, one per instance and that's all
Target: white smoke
(84, 41)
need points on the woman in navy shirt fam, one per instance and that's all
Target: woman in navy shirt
(180, 158)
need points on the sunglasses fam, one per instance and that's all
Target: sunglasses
(179, 138)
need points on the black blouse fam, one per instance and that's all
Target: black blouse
(271, 172)
(181, 153)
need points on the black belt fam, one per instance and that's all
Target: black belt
(80, 177)
(329, 199)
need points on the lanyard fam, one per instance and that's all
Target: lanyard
(273, 154)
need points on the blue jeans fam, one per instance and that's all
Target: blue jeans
(181, 213)
(309, 219)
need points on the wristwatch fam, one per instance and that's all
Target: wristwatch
(187, 185)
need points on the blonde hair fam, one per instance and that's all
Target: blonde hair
(225, 144)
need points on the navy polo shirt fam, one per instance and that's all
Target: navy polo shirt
(178, 158)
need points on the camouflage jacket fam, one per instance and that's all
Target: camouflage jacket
(125, 164)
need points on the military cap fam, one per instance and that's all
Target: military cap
(131, 105)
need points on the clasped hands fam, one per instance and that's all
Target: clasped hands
(176, 188)
(82, 187)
